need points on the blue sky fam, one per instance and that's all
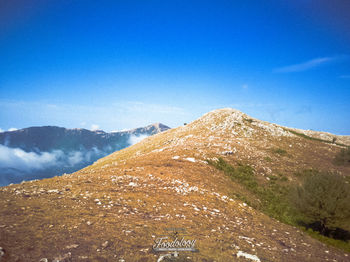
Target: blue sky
(123, 64)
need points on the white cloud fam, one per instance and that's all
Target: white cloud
(16, 158)
(117, 131)
(12, 129)
(135, 139)
(1, 130)
(307, 65)
(95, 127)
(75, 158)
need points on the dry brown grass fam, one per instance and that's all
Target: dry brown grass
(35, 223)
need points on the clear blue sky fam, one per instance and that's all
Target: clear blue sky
(124, 64)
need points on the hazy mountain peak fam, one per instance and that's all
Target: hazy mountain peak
(151, 129)
(160, 127)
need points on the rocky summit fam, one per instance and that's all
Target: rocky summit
(124, 206)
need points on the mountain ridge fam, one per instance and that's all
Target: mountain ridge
(38, 133)
(115, 208)
(60, 150)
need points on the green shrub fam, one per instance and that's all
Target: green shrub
(314, 138)
(306, 172)
(273, 199)
(279, 151)
(324, 198)
(267, 159)
(243, 174)
(249, 120)
(283, 178)
(330, 241)
(273, 178)
(343, 157)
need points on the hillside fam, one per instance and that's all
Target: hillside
(46, 151)
(114, 209)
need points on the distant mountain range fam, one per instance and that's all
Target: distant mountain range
(41, 152)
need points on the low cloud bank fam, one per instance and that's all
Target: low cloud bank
(19, 159)
(16, 164)
(135, 139)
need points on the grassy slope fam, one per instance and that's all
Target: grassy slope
(272, 198)
(37, 222)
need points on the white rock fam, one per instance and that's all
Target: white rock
(162, 257)
(248, 256)
(72, 246)
(105, 244)
(2, 252)
(53, 191)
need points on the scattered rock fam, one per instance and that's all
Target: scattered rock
(105, 244)
(54, 191)
(2, 252)
(63, 258)
(161, 258)
(44, 260)
(248, 256)
(72, 246)
(226, 153)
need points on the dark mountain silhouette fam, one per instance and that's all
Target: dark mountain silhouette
(41, 152)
